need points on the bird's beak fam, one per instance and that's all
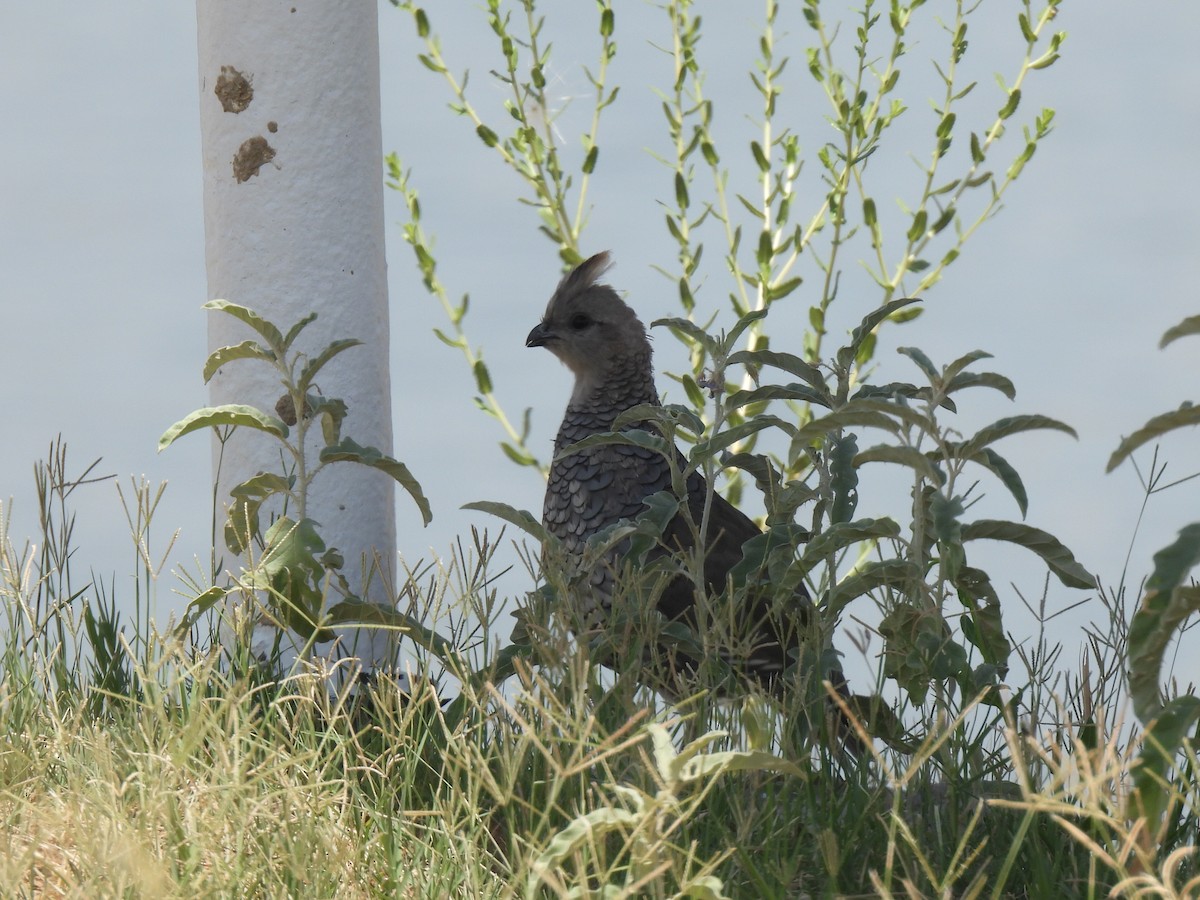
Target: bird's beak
(540, 336)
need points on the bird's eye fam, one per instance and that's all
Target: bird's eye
(580, 321)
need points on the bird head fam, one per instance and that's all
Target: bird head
(588, 327)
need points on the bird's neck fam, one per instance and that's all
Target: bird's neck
(626, 381)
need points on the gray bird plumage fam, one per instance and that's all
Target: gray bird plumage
(602, 341)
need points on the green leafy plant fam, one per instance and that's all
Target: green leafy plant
(1169, 600)
(293, 568)
(754, 198)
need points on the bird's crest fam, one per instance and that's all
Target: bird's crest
(583, 276)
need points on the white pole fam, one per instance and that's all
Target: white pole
(293, 222)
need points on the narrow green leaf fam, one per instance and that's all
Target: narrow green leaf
(1152, 631)
(1166, 605)
(487, 136)
(314, 365)
(589, 161)
(268, 332)
(1155, 427)
(1011, 425)
(903, 456)
(633, 438)
(689, 328)
(924, 363)
(1000, 467)
(295, 330)
(730, 436)
(800, 392)
(895, 573)
(233, 414)
(760, 158)
(248, 497)
(875, 317)
(992, 380)
(1153, 793)
(1057, 557)
(964, 362)
(1173, 563)
(521, 518)
(197, 608)
(349, 451)
(788, 362)
(1010, 106)
(1190, 325)
(845, 534)
(483, 378)
(244, 350)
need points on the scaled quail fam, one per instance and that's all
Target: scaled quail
(601, 340)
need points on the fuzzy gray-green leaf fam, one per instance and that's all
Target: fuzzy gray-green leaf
(234, 414)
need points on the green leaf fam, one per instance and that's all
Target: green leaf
(268, 331)
(681, 190)
(788, 362)
(981, 379)
(1151, 632)
(924, 363)
(295, 330)
(730, 436)
(1002, 469)
(1057, 557)
(917, 229)
(232, 414)
(289, 568)
(945, 513)
(331, 411)
(1010, 107)
(517, 455)
(635, 437)
(707, 765)
(1175, 561)
(314, 365)
(244, 350)
(582, 830)
(487, 136)
(349, 451)
(1159, 425)
(1190, 325)
(248, 498)
(873, 319)
(483, 378)
(903, 456)
(589, 161)
(844, 477)
(983, 626)
(688, 328)
(197, 608)
(1165, 606)
(521, 518)
(963, 362)
(760, 158)
(889, 572)
(1003, 428)
(742, 324)
(1164, 738)
(845, 534)
(782, 289)
(357, 612)
(767, 392)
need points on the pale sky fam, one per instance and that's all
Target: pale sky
(1070, 287)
